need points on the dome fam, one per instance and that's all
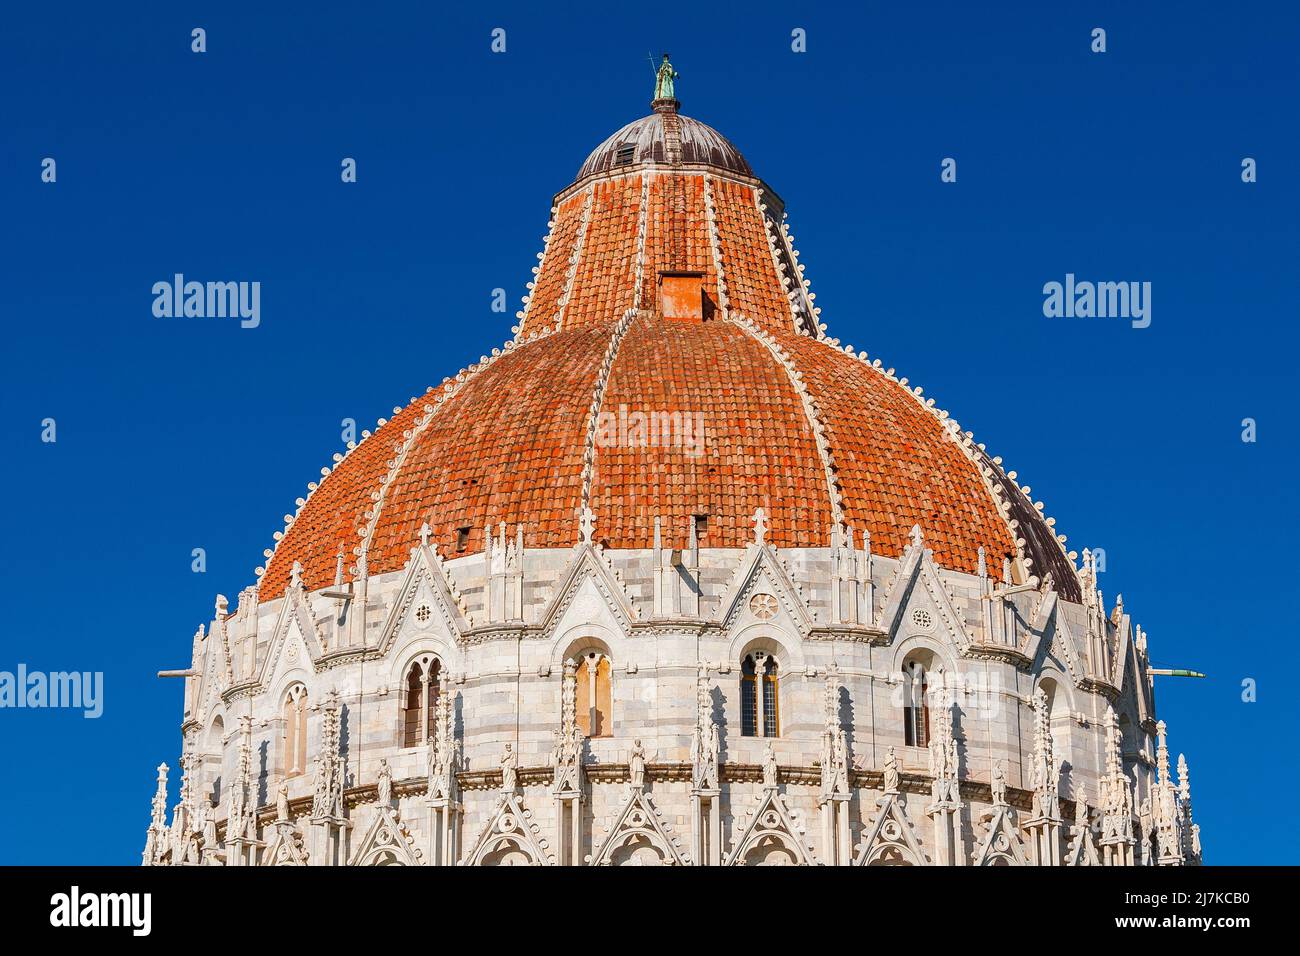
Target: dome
(665, 137)
(668, 296)
(626, 532)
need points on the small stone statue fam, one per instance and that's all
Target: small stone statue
(320, 799)
(201, 816)
(210, 827)
(282, 802)
(891, 771)
(509, 770)
(636, 765)
(769, 767)
(385, 784)
(999, 785)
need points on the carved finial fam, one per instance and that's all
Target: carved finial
(1162, 753)
(425, 531)
(760, 526)
(222, 605)
(831, 699)
(983, 569)
(295, 575)
(916, 535)
(587, 524)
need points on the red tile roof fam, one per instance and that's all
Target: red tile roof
(511, 442)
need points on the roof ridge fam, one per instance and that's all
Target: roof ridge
(811, 412)
(611, 350)
(451, 387)
(988, 466)
(715, 246)
(562, 304)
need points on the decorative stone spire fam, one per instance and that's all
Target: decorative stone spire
(1168, 813)
(1116, 798)
(1045, 772)
(158, 817)
(943, 749)
(835, 748)
(760, 527)
(327, 800)
(566, 758)
(1184, 783)
(241, 821)
(444, 752)
(704, 742)
(156, 839)
(188, 763)
(1190, 831)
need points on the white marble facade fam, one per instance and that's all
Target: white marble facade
(1042, 744)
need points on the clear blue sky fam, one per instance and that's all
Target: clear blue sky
(176, 434)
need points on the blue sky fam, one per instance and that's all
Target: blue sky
(175, 434)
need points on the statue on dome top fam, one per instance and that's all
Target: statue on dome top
(664, 81)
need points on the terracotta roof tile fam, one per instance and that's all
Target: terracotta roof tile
(758, 448)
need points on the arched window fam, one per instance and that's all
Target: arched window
(916, 707)
(213, 760)
(295, 731)
(420, 701)
(592, 697)
(760, 713)
(216, 734)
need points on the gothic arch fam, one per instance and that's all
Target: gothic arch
(594, 686)
(510, 838)
(769, 836)
(293, 709)
(769, 640)
(421, 645)
(923, 643)
(214, 740)
(1059, 689)
(294, 675)
(581, 638)
(418, 689)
